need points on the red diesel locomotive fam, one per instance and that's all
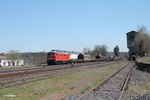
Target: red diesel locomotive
(58, 57)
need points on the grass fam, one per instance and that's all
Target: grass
(141, 88)
(145, 59)
(55, 87)
(89, 86)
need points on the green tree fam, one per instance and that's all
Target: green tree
(116, 51)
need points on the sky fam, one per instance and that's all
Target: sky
(43, 25)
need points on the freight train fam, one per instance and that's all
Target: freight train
(66, 57)
(55, 57)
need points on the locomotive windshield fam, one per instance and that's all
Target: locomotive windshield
(51, 54)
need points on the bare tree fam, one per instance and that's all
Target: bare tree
(142, 41)
(87, 50)
(100, 50)
(12, 51)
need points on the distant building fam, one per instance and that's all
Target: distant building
(4, 62)
(130, 42)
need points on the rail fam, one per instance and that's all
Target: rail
(102, 83)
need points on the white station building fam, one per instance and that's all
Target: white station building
(5, 62)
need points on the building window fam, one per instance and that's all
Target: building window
(13, 63)
(8, 63)
(4, 63)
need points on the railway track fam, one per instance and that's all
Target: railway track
(112, 88)
(43, 66)
(16, 77)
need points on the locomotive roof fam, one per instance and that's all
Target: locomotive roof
(63, 51)
(59, 51)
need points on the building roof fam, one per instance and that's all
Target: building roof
(131, 33)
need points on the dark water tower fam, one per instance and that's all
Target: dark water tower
(130, 44)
